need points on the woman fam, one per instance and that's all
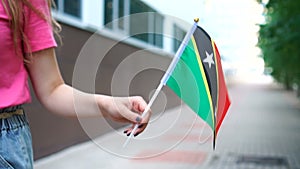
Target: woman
(26, 28)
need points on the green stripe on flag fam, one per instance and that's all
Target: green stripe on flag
(188, 82)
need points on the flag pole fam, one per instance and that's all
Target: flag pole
(166, 76)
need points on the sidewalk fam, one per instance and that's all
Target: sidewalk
(260, 131)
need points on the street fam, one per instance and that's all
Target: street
(261, 130)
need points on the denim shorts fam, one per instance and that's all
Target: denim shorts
(15, 141)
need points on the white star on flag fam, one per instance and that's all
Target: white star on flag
(209, 59)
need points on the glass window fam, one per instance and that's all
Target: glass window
(108, 15)
(121, 12)
(115, 10)
(147, 27)
(178, 37)
(139, 31)
(137, 6)
(150, 25)
(158, 29)
(73, 7)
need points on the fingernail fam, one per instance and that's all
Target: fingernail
(138, 119)
(136, 134)
(125, 131)
(128, 134)
(141, 126)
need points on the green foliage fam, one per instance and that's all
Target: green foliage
(279, 39)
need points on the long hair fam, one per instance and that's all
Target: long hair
(14, 8)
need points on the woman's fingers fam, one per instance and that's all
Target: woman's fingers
(139, 105)
(139, 130)
(131, 116)
(133, 113)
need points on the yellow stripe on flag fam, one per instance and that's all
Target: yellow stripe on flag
(204, 79)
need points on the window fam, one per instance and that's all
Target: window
(178, 35)
(70, 7)
(158, 30)
(121, 13)
(73, 7)
(108, 15)
(147, 27)
(150, 25)
(139, 25)
(115, 10)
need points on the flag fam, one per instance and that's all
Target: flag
(199, 81)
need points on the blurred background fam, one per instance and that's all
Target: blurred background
(257, 40)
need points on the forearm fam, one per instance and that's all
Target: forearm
(54, 94)
(67, 101)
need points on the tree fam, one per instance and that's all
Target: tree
(279, 40)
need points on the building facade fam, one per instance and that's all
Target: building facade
(118, 18)
(129, 28)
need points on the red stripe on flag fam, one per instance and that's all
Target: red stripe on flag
(224, 101)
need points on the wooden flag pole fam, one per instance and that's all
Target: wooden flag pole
(166, 76)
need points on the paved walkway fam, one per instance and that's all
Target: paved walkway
(260, 131)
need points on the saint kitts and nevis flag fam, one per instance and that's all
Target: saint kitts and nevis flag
(197, 78)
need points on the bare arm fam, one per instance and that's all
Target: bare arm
(58, 97)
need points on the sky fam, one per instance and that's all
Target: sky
(231, 23)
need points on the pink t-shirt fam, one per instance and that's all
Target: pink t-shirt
(14, 88)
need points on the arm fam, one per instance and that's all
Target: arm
(58, 97)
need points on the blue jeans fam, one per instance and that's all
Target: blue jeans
(15, 142)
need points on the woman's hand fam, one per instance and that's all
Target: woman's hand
(125, 109)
